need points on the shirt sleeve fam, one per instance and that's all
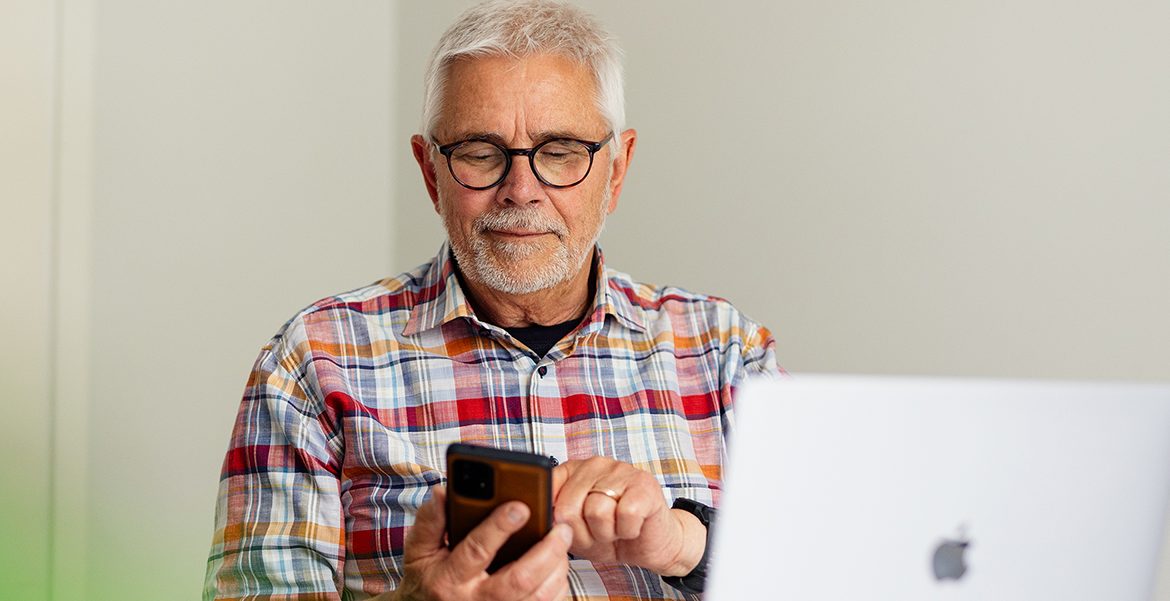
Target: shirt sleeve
(759, 353)
(279, 532)
(756, 356)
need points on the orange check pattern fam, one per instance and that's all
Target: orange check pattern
(348, 412)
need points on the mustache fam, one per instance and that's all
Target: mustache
(513, 218)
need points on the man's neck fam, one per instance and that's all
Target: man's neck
(563, 302)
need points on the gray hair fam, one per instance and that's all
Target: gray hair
(524, 28)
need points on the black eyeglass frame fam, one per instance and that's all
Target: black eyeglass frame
(592, 147)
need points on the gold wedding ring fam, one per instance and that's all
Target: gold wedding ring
(609, 492)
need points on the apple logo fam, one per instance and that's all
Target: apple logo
(949, 560)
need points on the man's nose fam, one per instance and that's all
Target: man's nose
(521, 186)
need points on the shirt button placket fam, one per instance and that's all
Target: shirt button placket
(540, 376)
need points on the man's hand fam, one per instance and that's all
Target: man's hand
(434, 573)
(618, 514)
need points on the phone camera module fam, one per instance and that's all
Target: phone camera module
(473, 479)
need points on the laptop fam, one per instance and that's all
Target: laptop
(850, 488)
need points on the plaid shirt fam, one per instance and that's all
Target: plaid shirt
(349, 410)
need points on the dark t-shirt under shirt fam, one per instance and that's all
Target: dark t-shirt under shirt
(541, 339)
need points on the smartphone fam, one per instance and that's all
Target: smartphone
(479, 479)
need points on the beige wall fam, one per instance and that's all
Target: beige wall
(241, 173)
(179, 179)
(242, 154)
(28, 44)
(962, 188)
(955, 188)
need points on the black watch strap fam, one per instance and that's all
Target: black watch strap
(695, 581)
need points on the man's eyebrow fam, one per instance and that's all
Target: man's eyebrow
(541, 136)
(486, 136)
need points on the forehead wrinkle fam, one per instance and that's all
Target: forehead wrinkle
(522, 100)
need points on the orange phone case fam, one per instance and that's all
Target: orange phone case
(516, 476)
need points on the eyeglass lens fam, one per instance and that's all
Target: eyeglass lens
(558, 162)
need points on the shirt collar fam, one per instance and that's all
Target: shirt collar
(614, 297)
(441, 299)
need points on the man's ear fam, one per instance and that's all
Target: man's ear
(624, 148)
(422, 154)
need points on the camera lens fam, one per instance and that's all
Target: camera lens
(472, 479)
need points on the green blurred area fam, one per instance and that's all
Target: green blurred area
(24, 522)
(123, 560)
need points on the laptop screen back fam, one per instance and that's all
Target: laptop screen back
(900, 488)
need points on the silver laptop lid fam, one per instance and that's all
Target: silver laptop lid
(898, 488)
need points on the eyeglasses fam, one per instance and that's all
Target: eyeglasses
(559, 162)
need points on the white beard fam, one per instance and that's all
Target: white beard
(492, 263)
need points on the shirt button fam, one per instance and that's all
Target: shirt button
(543, 370)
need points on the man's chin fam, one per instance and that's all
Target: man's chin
(523, 276)
(521, 249)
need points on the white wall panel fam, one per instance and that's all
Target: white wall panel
(28, 42)
(241, 172)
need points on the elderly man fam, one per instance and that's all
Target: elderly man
(518, 336)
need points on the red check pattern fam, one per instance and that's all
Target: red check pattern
(348, 412)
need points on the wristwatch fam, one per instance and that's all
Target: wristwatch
(696, 581)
